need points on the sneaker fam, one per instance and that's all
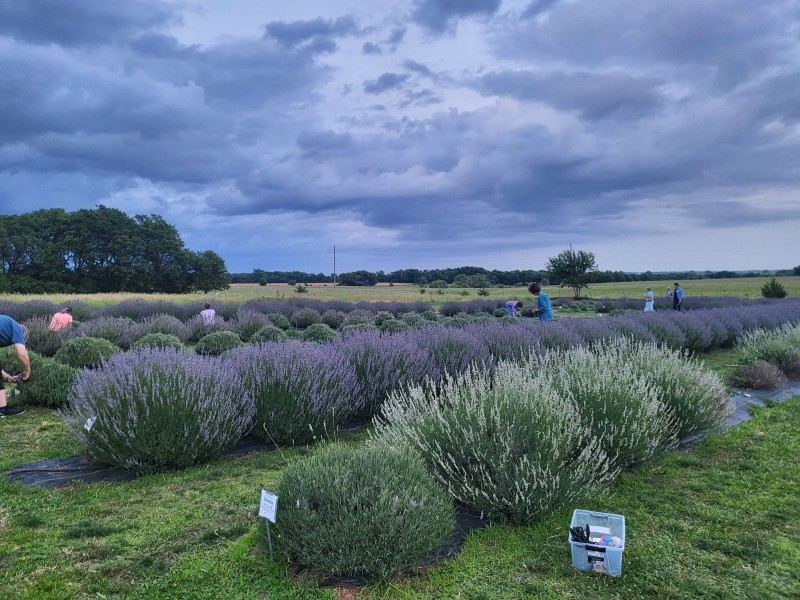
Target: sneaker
(10, 411)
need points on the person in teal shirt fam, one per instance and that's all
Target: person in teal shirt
(543, 306)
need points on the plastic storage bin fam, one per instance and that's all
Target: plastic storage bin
(594, 557)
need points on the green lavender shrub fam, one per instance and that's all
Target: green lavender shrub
(305, 317)
(280, 321)
(333, 318)
(361, 512)
(319, 333)
(157, 340)
(83, 352)
(393, 326)
(270, 333)
(49, 384)
(215, 344)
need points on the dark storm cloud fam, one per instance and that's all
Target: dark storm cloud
(385, 82)
(80, 23)
(594, 95)
(321, 144)
(299, 32)
(439, 15)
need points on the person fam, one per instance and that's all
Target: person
(208, 314)
(512, 306)
(677, 297)
(668, 294)
(12, 333)
(543, 306)
(61, 320)
(649, 300)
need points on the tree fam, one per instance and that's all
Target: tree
(361, 278)
(207, 271)
(796, 270)
(573, 268)
(773, 289)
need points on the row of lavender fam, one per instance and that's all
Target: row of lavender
(139, 308)
(160, 408)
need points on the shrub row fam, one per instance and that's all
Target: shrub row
(531, 436)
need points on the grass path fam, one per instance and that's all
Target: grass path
(715, 521)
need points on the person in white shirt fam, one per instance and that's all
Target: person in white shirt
(209, 314)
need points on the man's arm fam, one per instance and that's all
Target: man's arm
(22, 355)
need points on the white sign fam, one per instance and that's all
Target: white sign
(89, 423)
(269, 506)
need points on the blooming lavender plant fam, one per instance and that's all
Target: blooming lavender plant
(500, 443)
(121, 332)
(155, 409)
(166, 324)
(301, 392)
(383, 363)
(247, 322)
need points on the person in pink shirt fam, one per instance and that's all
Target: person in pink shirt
(61, 320)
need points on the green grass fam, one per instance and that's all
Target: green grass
(715, 521)
(743, 287)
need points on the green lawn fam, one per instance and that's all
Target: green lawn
(743, 287)
(715, 521)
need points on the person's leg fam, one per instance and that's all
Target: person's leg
(5, 410)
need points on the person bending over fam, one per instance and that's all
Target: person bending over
(13, 334)
(512, 306)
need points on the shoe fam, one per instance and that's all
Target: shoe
(10, 411)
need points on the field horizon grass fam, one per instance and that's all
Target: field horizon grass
(745, 287)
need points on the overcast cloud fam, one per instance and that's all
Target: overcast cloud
(660, 135)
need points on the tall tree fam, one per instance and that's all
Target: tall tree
(207, 271)
(573, 268)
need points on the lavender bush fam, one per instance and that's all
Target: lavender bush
(157, 409)
(216, 344)
(269, 333)
(40, 339)
(49, 383)
(120, 331)
(84, 352)
(758, 375)
(157, 340)
(780, 347)
(501, 444)
(279, 320)
(618, 402)
(166, 324)
(198, 329)
(247, 322)
(301, 392)
(377, 506)
(305, 317)
(319, 333)
(382, 363)
(333, 318)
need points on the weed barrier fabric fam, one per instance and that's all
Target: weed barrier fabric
(57, 472)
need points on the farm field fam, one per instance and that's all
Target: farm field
(741, 287)
(715, 520)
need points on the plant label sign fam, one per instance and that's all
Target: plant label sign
(89, 423)
(269, 506)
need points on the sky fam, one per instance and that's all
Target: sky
(660, 135)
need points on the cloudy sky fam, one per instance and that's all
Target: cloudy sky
(660, 135)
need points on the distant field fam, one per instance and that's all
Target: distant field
(400, 292)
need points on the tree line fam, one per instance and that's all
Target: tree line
(477, 277)
(101, 250)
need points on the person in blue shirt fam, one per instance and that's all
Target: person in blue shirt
(543, 306)
(512, 306)
(677, 297)
(12, 333)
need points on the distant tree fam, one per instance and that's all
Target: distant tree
(573, 268)
(796, 270)
(358, 278)
(301, 289)
(207, 271)
(438, 283)
(773, 289)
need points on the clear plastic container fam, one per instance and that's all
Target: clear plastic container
(594, 557)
